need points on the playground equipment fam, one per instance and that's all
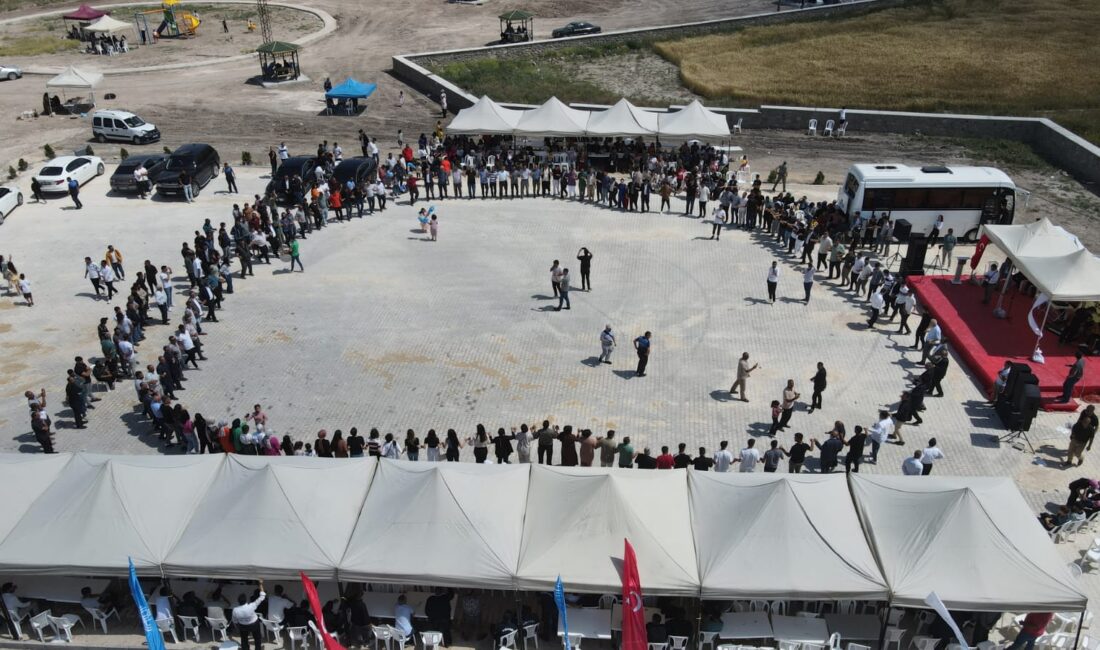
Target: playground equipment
(174, 22)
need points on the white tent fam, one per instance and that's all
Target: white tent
(102, 509)
(1074, 277)
(485, 116)
(32, 474)
(1036, 239)
(273, 517)
(693, 121)
(74, 77)
(621, 120)
(448, 524)
(108, 25)
(577, 519)
(973, 541)
(553, 118)
(800, 531)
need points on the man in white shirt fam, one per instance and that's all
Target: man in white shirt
(373, 149)
(773, 280)
(912, 465)
(723, 458)
(880, 432)
(929, 456)
(13, 603)
(402, 615)
(91, 271)
(284, 153)
(749, 457)
(931, 339)
(163, 604)
(244, 616)
(277, 605)
(877, 303)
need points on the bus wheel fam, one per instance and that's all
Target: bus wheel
(971, 236)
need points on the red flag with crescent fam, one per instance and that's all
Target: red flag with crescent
(978, 250)
(634, 634)
(315, 605)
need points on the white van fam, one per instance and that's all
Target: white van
(122, 125)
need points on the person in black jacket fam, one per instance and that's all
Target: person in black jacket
(438, 610)
(819, 387)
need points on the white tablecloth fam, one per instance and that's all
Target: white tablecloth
(855, 626)
(592, 623)
(745, 625)
(800, 629)
(57, 589)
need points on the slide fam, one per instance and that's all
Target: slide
(188, 21)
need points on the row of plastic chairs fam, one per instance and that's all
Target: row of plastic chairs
(830, 128)
(43, 622)
(1066, 532)
(780, 607)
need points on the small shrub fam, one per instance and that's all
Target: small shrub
(772, 175)
(48, 150)
(123, 154)
(246, 157)
(167, 150)
(819, 179)
(22, 165)
(11, 172)
(88, 151)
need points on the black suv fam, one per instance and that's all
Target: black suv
(123, 178)
(199, 160)
(301, 166)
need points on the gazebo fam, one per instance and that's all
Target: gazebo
(82, 16)
(517, 26)
(279, 61)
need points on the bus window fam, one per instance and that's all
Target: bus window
(910, 198)
(947, 198)
(974, 198)
(1008, 206)
(877, 200)
(851, 186)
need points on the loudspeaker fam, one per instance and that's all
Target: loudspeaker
(1021, 390)
(913, 264)
(1029, 407)
(902, 229)
(1018, 370)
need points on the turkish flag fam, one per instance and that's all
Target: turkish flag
(634, 634)
(315, 605)
(978, 250)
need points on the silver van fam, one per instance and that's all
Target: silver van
(124, 126)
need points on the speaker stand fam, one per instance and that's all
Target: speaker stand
(1016, 435)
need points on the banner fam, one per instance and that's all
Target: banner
(634, 632)
(1036, 328)
(315, 606)
(935, 603)
(559, 600)
(153, 637)
(978, 250)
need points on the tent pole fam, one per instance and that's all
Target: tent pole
(1080, 624)
(885, 622)
(1042, 328)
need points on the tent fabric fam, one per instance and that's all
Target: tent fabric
(973, 541)
(74, 77)
(108, 25)
(577, 519)
(1036, 239)
(84, 12)
(1074, 277)
(32, 475)
(459, 525)
(622, 120)
(351, 89)
(693, 121)
(485, 116)
(553, 118)
(773, 518)
(274, 517)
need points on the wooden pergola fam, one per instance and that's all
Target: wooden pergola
(279, 61)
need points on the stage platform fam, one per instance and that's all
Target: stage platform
(984, 342)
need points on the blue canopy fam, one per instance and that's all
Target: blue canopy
(351, 89)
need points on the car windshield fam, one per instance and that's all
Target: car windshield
(135, 121)
(50, 171)
(126, 168)
(179, 164)
(4, 192)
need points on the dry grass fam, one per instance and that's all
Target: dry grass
(990, 56)
(35, 45)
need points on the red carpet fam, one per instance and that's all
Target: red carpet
(984, 343)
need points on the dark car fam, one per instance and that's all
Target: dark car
(302, 166)
(354, 169)
(123, 178)
(576, 29)
(201, 161)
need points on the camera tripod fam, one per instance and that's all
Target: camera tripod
(1016, 435)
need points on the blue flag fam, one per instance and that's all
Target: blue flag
(559, 600)
(152, 633)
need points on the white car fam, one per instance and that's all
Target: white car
(10, 72)
(53, 177)
(10, 199)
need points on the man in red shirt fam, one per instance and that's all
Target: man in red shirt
(1035, 625)
(665, 460)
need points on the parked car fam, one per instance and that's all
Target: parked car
(300, 165)
(201, 161)
(10, 199)
(123, 178)
(10, 72)
(356, 169)
(576, 29)
(54, 176)
(124, 126)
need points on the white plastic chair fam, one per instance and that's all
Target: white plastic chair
(790, 645)
(778, 607)
(834, 641)
(165, 625)
(828, 128)
(63, 625)
(100, 617)
(737, 126)
(381, 634)
(846, 607)
(320, 639)
(813, 646)
(296, 634)
(218, 627)
(431, 640)
(657, 646)
(575, 641)
(758, 605)
(842, 129)
(893, 616)
(922, 643)
(677, 642)
(530, 633)
(812, 128)
(39, 622)
(894, 635)
(271, 628)
(508, 640)
(191, 624)
(707, 638)
(607, 600)
(15, 619)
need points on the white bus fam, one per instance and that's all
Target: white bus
(967, 197)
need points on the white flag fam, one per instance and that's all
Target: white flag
(935, 603)
(1040, 300)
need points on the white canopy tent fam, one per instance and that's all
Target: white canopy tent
(972, 541)
(693, 121)
(1036, 239)
(485, 116)
(32, 474)
(622, 120)
(553, 118)
(1074, 277)
(447, 524)
(108, 25)
(577, 521)
(775, 519)
(76, 78)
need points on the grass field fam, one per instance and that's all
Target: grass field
(35, 45)
(1014, 57)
